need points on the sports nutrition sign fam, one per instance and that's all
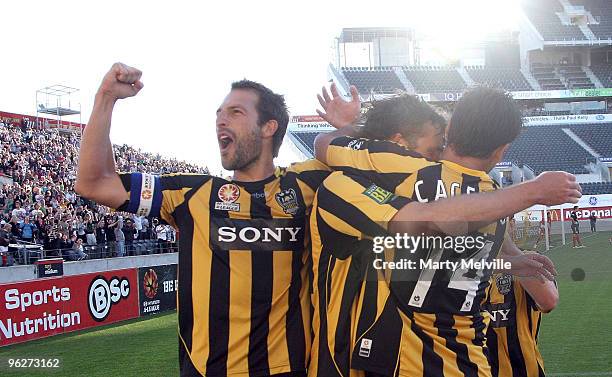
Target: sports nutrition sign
(41, 308)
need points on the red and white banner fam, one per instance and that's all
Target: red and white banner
(604, 212)
(30, 120)
(584, 213)
(40, 308)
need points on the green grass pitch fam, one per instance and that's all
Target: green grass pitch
(574, 339)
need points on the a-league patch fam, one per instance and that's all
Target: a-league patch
(228, 194)
(378, 194)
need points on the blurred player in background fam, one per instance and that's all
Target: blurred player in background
(575, 226)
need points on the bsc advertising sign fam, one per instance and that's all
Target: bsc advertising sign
(41, 308)
(157, 286)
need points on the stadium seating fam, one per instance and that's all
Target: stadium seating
(376, 79)
(604, 74)
(428, 79)
(41, 165)
(306, 139)
(575, 77)
(548, 148)
(547, 77)
(506, 78)
(597, 136)
(602, 11)
(542, 14)
(596, 188)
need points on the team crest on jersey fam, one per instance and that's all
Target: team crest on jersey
(355, 144)
(288, 200)
(504, 283)
(146, 194)
(228, 194)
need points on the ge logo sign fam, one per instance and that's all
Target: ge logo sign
(593, 200)
(104, 294)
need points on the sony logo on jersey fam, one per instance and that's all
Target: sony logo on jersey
(441, 192)
(257, 234)
(500, 314)
(251, 234)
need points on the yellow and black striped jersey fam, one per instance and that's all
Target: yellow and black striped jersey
(342, 262)
(392, 167)
(243, 297)
(512, 337)
(439, 308)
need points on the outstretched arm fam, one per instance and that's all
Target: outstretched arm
(460, 214)
(340, 114)
(97, 178)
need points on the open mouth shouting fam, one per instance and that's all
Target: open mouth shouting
(225, 140)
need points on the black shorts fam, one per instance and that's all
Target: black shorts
(575, 228)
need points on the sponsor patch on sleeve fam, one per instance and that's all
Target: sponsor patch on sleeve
(378, 194)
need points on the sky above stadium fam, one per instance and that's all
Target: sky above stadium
(191, 51)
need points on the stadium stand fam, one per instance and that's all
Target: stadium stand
(40, 168)
(547, 77)
(377, 79)
(575, 77)
(596, 188)
(542, 14)
(597, 136)
(506, 78)
(604, 74)
(602, 11)
(545, 148)
(307, 140)
(431, 79)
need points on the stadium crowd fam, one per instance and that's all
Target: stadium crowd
(38, 204)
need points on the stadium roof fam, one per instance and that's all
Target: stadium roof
(368, 34)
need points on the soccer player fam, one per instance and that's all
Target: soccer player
(541, 233)
(515, 307)
(348, 202)
(575, 226)
(243, 302)
(405, 120)
(430, 322)
(593, 221)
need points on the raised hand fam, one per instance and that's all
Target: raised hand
(557, 187)
(338, 112)
(121, 81)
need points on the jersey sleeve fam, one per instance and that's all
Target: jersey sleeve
(157, 195)
(310, 172)
(373, 155)
(356, 208)
(307, 176)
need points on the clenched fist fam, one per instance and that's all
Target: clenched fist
(122, 81)
(556, 187)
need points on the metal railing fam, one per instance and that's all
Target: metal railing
(27, 253)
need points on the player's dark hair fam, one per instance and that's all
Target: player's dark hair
(404, 114)
(270, 106)
(483, 120)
